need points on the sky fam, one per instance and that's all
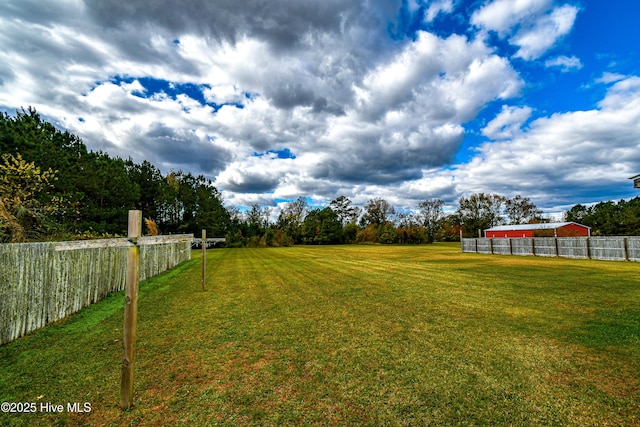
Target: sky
(403, 100)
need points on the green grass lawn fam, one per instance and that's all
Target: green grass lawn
(350, 335)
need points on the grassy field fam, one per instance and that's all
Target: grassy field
(350, 335)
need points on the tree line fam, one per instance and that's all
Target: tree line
(608, 218)
(53, 188)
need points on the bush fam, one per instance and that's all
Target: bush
(350, 232)
(388, 234)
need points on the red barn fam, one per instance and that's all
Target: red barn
(551, 229)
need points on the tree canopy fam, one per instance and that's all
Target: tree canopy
(608, 218)
(96, 188)
(24, 208)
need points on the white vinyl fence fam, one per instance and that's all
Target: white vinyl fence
(39, 285)
(611, 248)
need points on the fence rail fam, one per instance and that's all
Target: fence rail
(40, 283)
(612, 248)
(210, 242)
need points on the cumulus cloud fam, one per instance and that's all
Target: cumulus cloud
(357, 111)
(364, 110)
(564, 156)
(224, 94)
(437, 7)
(253, 175)
(503, 15)
(282, 23)
(444, 79)
(507, 123)
(534, 26)
(546, 31)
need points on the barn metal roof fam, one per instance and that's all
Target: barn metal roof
(544, 226)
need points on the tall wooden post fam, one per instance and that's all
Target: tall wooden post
(130, 310)
(204, 256)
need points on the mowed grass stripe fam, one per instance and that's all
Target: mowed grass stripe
(353, 335)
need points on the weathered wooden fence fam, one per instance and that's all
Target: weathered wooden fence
(39, 285)
(605, 248)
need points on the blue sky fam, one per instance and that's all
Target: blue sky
(404, 100)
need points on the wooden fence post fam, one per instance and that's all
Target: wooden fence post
(130, 310)
(132, 243)
(204, 256)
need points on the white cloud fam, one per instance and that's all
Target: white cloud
(253, 175)
(546, 31)
(507, 123)
(564, 156)
(406, 114)
(610, 78)
(357, 110)
(222, 94)
(437, 7)
(623, 97)
(504, 15)
(565, 63)
(364, 114)
(534, 26)
(458, 76)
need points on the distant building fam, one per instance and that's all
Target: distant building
(551, 229)
(636, 181)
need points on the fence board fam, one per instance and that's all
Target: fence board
(484, 246)
(573, 247)
(633, 248)
(545, 246)
(39, 284)
(607, 249)
(501, 246)
(522, 246)
(468, 245)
